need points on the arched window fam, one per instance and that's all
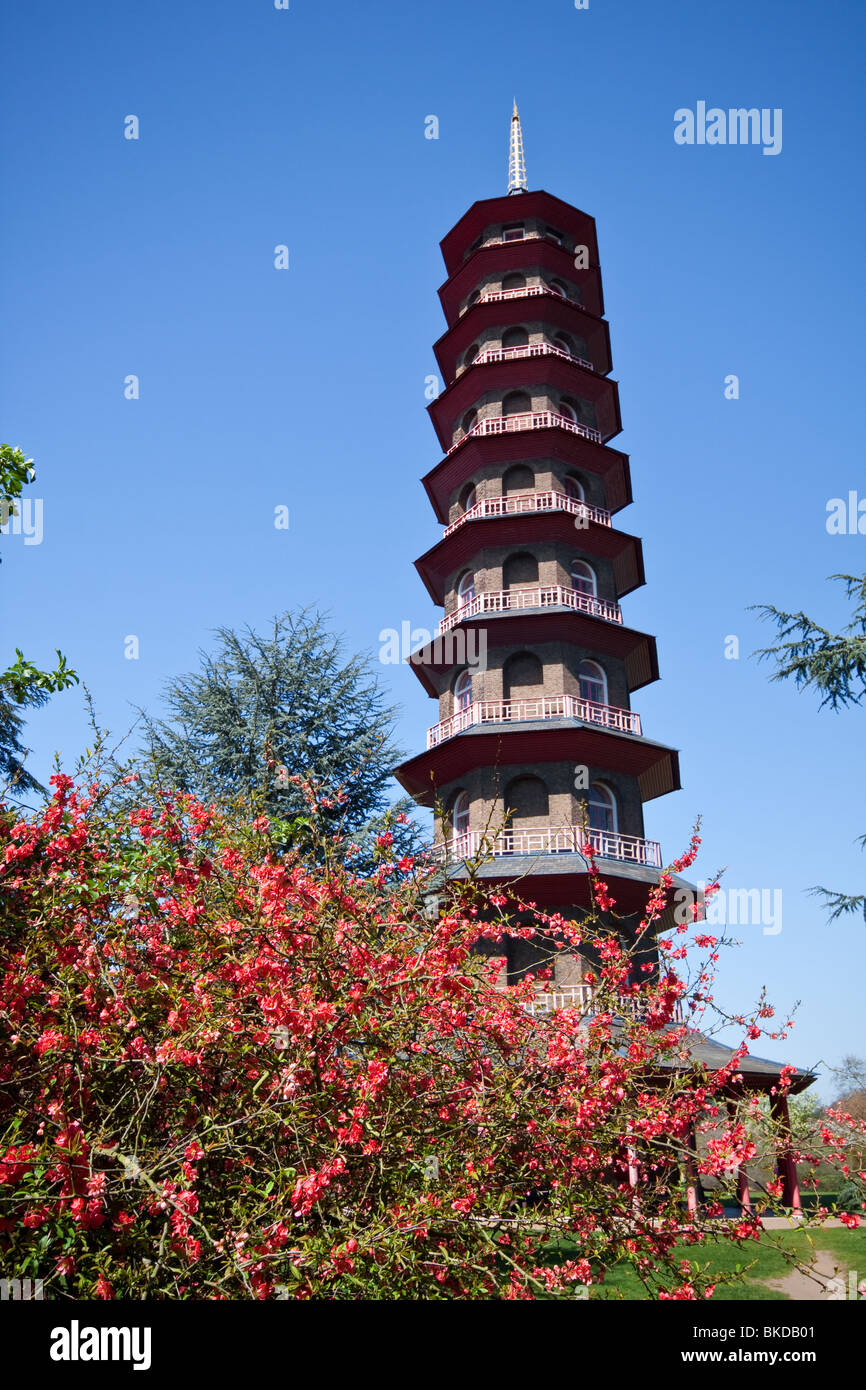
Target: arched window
(583, 578)
(517, 403)
(559, 288)
(469, 419)
(460, 813)
(527, 803)
(592, 682)
(465, 588)
(574, 488)
(563, 341)
(470, 354)
(522, 677)
(515, 337)
(567, 411)
(473, 298)
(514, 281)
(463, 691)
(468, 497)
(520, 571)
(520, 478)
(601, 806)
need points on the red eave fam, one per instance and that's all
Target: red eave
(637, 650)
(522, 373)
(553, 891)
(456, 550)
(509, 207)
(526, 446)
(425, 775)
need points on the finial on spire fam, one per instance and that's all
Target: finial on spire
(516, 162)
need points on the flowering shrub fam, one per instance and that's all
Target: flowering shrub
(233, 1069)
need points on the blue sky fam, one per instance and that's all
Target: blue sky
(305, 387)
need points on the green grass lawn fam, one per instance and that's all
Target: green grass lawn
(727, 1261)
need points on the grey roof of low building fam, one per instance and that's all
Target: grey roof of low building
(714, 1055)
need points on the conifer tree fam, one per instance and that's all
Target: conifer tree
(834, 665)
(264, 709)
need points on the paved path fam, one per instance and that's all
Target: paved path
(784, 1223)
(822, 1281)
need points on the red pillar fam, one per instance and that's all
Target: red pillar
(692, 1173)
(786, 1168)
(632, 1167)
(743, 1194)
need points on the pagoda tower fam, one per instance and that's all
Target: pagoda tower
(537, 749)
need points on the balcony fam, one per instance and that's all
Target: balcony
(530, 502)
(582, 997)
(538, 596)
(524, 292)
(563, 839)
(510, 240)
(529, 420)
(623, 721)
(528, 350)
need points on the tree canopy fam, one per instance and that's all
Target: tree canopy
(834, 665)
(232, 1070)
(22, 685)
(265, 709)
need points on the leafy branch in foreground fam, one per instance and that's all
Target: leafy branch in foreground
(229, 1069)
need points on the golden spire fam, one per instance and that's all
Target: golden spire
(516, 162)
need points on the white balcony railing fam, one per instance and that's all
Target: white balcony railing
(528, 350)
(521, 502)
(570, 997)
(583, 997)
(523, 292)
(624, 721)
(549, 839)
(528, 420)
(538, 596)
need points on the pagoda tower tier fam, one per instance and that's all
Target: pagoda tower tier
(495, 525)
(547, 445)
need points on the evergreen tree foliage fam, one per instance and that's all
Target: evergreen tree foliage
(264, 709)
(22, 685)
(834, 665)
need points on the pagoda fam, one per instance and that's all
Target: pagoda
(538, 752)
